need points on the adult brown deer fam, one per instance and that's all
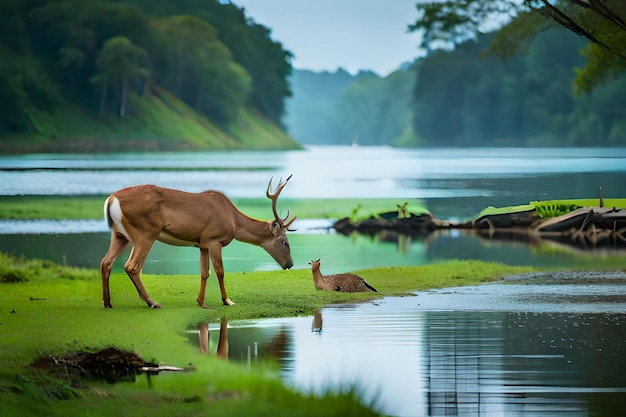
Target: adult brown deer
(208, 220)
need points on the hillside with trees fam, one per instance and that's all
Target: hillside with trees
(525, 100)
(464, 97)
(89, 75)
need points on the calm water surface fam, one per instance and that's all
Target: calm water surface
(517, 175)
(453, 183)
(493, 350)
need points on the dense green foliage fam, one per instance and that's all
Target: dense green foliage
(528, 101)
(463, 97)
(524, 100)
(602, 23)
(103, 66)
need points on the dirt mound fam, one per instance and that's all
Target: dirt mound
(110, 364)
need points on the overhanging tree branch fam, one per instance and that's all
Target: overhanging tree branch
(567, 21)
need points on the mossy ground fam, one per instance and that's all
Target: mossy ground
(59, 310)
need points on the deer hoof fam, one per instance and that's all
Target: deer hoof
(108, 305)
(227, 302)
(202, 304)
(155, 305)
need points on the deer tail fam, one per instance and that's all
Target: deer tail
(107, 212)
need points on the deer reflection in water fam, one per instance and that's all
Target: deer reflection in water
(222, 344)
(316, 326)
(276, 347)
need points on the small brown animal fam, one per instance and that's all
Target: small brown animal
(346, 282)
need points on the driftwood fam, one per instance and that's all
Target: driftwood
(583, 228)
(415, 225)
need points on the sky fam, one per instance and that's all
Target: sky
(355, 35)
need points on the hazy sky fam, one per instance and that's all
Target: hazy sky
(351, 34)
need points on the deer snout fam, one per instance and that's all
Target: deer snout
(288, 264)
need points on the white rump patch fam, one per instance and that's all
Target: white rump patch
(115, 211)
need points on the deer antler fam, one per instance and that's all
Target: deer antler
(274, 197)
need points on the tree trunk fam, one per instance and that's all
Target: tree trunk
(103, 99)
(124, 99)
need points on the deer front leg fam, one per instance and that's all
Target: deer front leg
(205, 272)
(216, 257)
(133, 269)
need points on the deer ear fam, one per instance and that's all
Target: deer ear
(275, 228)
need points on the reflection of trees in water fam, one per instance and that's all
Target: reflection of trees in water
(475, 362)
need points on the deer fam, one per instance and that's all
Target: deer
(142, 214)
(345, 282)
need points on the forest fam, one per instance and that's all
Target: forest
(461, 97)
(340, 108)
(116, 75)
(139, 74)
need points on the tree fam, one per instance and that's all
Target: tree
(264, 59)
(602, 22)
(120, 62)
(195, 65)
(24, 87)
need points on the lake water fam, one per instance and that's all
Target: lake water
(492, 350)
(550, 353)
(452, 183)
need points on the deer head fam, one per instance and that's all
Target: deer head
(278, 245)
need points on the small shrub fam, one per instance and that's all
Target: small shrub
(552, 209)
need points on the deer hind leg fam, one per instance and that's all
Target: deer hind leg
(133, 266)
(205, 272)
(118, 244)
(216, 256)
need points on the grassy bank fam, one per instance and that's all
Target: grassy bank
(67, 207)
(90, 207)
(157, 121)
(47, 309)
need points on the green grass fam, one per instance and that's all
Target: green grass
(53, 310)
(155, 121)
(69, 207)
(555, 208)
(255, 131)
(57, 310)
(64, 207)
(51, 207)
